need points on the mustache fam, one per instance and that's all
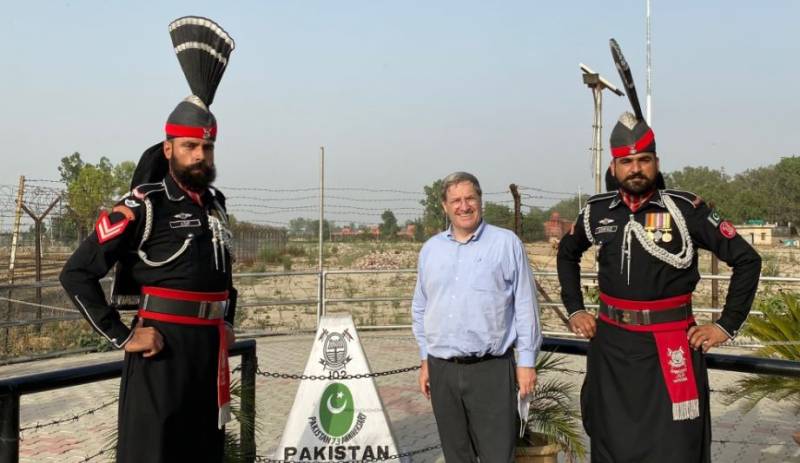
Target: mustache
(635, 176)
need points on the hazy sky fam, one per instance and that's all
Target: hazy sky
(400, 93)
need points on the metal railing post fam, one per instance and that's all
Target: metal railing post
(324, 292)
(9, 427)
(247, 427)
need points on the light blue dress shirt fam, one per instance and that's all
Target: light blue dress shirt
(476, 298)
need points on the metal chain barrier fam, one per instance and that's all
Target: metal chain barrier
(272, 374)
(302, 377)
(754, 343)
(744, 442)
(265, 459)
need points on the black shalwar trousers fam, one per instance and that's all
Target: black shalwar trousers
(627, 411)
(168, 402)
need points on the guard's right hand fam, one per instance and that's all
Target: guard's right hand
(583, 324)
(424, 380)
(145, 339)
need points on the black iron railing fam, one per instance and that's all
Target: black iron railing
(12, 389)
(738, 363)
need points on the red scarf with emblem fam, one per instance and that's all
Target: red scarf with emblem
(672, 346)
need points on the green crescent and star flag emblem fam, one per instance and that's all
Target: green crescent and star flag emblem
(337, 413)
(714, 218)
(336, 410)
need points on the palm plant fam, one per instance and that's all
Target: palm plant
(553, 414)
(780, 325)
(234, 453)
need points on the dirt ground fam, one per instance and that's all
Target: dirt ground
(377, 291)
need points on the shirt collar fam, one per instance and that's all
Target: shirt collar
(655, 198)
(475, 235)
(175, 192)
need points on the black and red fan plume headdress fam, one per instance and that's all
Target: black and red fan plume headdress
(203, 49)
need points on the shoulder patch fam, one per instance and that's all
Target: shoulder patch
(106, 230)
(687, 196)
(145, 189)
(714, 218)
(601, 196)
(727, 229)
(125, 210)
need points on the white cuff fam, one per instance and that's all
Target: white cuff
(730, 336)
(577, 312)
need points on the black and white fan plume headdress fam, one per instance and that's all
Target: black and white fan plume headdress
(203, 49)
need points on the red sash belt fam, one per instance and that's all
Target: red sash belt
(672, 345)
(223, 371)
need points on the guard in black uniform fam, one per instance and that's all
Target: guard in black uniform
(170, 242)
(645, 395)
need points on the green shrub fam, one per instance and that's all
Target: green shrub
(295, 250)
(780, 326)
(270, 255)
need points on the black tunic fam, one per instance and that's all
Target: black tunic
(625, 404)
(168, 403)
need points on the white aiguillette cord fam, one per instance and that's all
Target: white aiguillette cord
(682, 259)
(220, 240)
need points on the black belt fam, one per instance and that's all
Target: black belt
(209, 310)
(470, 359)
(647, 316)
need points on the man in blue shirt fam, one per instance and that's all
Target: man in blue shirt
(473, 302)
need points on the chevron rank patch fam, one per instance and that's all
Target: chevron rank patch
(106, 230)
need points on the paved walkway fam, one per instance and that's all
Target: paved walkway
(762, 435)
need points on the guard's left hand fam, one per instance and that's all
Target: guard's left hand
(706, 336)
(526, 380)
(230, 336)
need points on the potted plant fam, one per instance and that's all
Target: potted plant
(553, 420)
(779, 325)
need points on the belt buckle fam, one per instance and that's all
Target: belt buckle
(202, 312)
(626, 316)
(215, 310)
(212, 310)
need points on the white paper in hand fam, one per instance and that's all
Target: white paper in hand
(523, 405)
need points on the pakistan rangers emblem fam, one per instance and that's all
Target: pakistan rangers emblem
(334, 349)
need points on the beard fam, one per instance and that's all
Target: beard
(196, 177)
(637, 184)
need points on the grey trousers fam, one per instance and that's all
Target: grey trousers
(475, 406)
